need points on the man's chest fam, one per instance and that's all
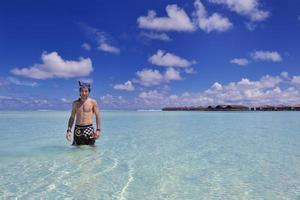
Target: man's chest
(85, 107)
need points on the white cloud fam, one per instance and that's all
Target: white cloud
(248, 8)
(4, 82)
(177, 20)
(2, 98)
(153, 77)
(126, 86)
(151, 95)
(284, 75)
(109, 101)
(157, 36)
(240, 61)
(103, 39)
(54, 66)
(19, 82)
(266, 56)
(217, 86)
(33, 103)
(296, 79)
(268, 89)
(250, 26)
(172, 74)
(269, 81)
(162, 58)
(173, 96)
(86, 46)
(215, 22)
(190, 70)
(108, 48)
(186, 94)
(264, 91)
(149, 77)
(64, 100)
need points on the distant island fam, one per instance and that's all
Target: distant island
(235, 108)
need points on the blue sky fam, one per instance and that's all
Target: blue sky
(149, 54)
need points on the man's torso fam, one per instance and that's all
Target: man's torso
(84, 112)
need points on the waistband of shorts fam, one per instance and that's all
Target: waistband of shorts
(83, 126)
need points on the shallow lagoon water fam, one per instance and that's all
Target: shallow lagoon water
(153, 155)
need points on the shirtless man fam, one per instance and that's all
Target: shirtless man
(83, 109)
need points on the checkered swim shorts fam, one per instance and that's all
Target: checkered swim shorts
(84, 135)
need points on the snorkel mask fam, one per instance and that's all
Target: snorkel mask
(87, 85)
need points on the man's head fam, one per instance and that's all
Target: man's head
(84, 90)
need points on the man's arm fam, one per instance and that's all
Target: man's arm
(72, 117)
(71, 121)
(98, 119)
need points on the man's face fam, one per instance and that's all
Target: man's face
(84, 92)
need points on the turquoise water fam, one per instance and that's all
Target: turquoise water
(153, 155)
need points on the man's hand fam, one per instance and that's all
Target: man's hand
(68, 135)
(97, 135)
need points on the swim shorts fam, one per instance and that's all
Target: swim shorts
(84, 135)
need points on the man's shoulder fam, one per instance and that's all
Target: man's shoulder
(92, 100)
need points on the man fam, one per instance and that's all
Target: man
(83, 109)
